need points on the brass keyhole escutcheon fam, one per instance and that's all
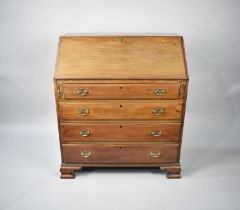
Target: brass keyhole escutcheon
(121, 39)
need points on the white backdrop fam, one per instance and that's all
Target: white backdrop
(29, 149)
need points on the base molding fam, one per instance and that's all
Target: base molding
(172, 170)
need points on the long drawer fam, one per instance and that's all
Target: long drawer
(120, 131)
(121, 91)
(119, 153)
(121, 109)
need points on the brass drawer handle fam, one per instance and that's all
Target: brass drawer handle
(81, 92)
(155, 154)
(83, 112)
(84, 133)
(156, 133)
(158, 111)
(159, 91)
(85, 154)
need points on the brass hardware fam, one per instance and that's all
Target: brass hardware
(156, 133)
(83, 112)
(81, 92)
(158, 111)
(121, 39)
(159, 91)
(155, 154)
(183, 90)
(59, 90)
(85, 154)
(84, 133)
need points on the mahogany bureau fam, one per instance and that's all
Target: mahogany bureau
(120, 101)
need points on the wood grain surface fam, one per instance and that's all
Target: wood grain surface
(120, 57)
(121, 109)
(121, 91)
(120, 131)
(120, 153)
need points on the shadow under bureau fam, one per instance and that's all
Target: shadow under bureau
(120, 101)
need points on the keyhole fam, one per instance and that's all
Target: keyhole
(121, 105)
(120, 147)
(120, 126)
(121, 87)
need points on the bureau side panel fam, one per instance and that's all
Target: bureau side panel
(58, 94)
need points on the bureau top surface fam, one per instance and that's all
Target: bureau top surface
(120, 57)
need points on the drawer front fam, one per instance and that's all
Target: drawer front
(121, 91)
(119, 153)
(120, 131)
(116, 110)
